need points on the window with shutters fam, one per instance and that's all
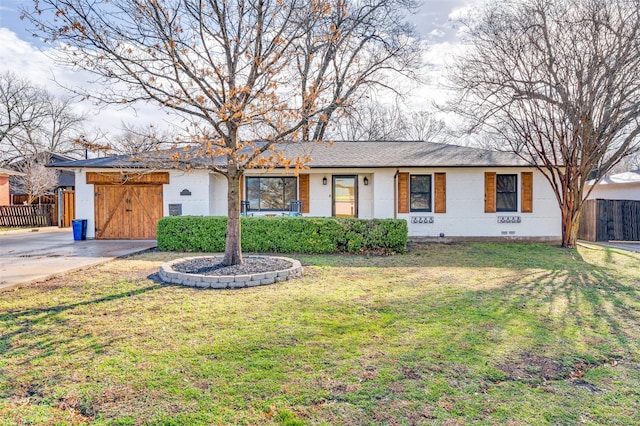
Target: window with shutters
(270, 193)
(506, 193)
(420, 193)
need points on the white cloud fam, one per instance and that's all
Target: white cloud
(37, 65)
(436, 33)
(34, 63)
(22, 58)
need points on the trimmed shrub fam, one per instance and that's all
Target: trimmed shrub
(285, 234)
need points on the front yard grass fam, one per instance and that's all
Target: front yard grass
(445, 334)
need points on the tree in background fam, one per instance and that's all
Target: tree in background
(20, 105)
(133, 139)
(425, 126)
(373, 121)
(558, 82)
(32, 121)
(243, 74)
(36, 179)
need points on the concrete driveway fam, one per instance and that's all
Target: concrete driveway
(28, 256)
(623, 245)
(632, 246)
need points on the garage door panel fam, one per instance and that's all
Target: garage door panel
(128, 211)
(110, 209)
(147, 209)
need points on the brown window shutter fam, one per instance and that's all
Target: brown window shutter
(240, 190)
(440, 184)
(527, 192)
(489, 192)
(403, 192)
(303, 191)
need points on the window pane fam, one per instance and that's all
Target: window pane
(271, 193)
(420, 192)
(253, 193)
(506, 183)
(506, 202)
(420, 183)
(290, 191)
(506, 193)
(420, 201)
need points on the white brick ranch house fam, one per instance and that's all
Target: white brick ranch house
(441, 190)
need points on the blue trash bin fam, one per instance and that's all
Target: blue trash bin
(79, 229)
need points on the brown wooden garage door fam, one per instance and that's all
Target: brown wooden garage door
(129, 212)
(127, 205)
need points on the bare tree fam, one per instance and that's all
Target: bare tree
(376, 121)
(37, 179)
(32, 121)
(425, 126)
(557, 81)
(61, 127)
(371, 121)
(628, 163)
(21, 104)
(134, 139)
(244, 74)
(53, 132)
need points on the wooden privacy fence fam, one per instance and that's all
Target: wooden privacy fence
(62, 204)
(68, 208)
(606, 220)
(31, 215)
(50, 199)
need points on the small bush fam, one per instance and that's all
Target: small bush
(285, 234)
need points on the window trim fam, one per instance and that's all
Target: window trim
(247, 191)
(430, 198)
(514, 192)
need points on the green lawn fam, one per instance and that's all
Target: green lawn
(445, 334)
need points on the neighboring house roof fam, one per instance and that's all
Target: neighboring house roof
(337, 155)
(632, 177)
(66, 178)
(56, 158)
(9, 172)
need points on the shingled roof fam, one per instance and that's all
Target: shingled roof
(374, 154)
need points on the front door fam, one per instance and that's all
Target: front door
(345, 196)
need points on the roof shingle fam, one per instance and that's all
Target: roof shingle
(370, 154)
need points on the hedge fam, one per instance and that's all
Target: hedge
(285, 234)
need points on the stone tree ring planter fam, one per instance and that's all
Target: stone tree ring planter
(208, 272)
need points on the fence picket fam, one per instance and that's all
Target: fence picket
(30, 215)
(606, 220)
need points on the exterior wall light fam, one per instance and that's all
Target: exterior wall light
(324, 180)
(366, 181)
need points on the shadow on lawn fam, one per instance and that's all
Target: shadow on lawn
(463, 255)
(543, 303)
(562, 302)
(26, 323)
(589, 299)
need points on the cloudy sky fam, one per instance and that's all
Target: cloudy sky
(22, 53)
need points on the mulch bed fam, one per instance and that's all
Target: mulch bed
(213, 266)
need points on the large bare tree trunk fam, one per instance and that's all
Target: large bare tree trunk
(570, 226)
(233, 248)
